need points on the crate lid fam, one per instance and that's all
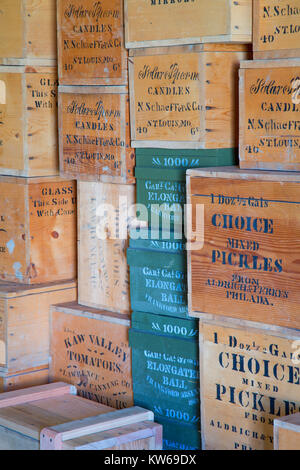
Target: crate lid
(73, 308)
(235, 173)
(13, 290)
(181, 328)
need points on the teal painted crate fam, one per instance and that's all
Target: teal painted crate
(180, 436)
(158, 275)
(165, 367)
(161, 175)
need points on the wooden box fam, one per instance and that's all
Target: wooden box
(37, 229)
(249, 376)
(160, 180)
(276, 29)
(103, 221)
(24, 329)
(158, 278)
(180, 437)
(248, 266)
(28, 120)
(269, 108)
(89, 349)
(52, 417)
(94, 134)
(91, 43)
(287, 432)
(28, 378)
(28, 29)
(165, 370)
(176, 22)
(185, 97)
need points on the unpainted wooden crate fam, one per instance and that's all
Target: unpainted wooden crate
(244, 244)
(185, 97)
(175, 22)
(276, 29)
(269, 109)
(94, 134)
(287, 432)
(89, 348)
(28, 120)
(52, 417)
(37, 229)
(249, 375)
(91, 47)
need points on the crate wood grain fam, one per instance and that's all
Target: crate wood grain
(276, 29)
(165, 367)
(27, 378)
(94, 134)
(24, 324)
(269, 108)
(28, 120)
(28, 29)
(185, 97)
(37, 229)
(89, 349)
(248, 267)
(160, 180)
(176, 22)
(91, 47)
(52, 417)
(103, 273)
(287, 432)
(158, 277)
(248, 378)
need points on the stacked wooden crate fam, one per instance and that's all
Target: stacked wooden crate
(89, 339)
(183, 81)
(37, 207)
(243, 274)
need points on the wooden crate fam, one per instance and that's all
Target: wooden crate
(103, 273)
(276, 29)
(248, 266)
(165, 369)
(89, 349)
(180, 437)
(24, 329)
(94, 134)
(248, 379)
(160, 180)
(28, 378)
(52, 417)
(158, 278)
(28, 29)
(287, 433)
(269, 108)
(37, 229)
(28, 120)
(91, 43)
(169, 23)
(185, 97)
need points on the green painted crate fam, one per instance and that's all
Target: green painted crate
(158, 275)
(165, 368)
(161, 175)
(180, 436)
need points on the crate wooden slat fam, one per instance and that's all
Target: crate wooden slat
(169, 23)
(248, 265)
(91, 47)
(185, 97)
(103, 273)
(94, 134)
(28, 120)
(28, 29)
(89, 348)
(248, 379)
(276, 29)
(28, 378)
(269, 108)
(52, 417)
(287, 433)
(37, 229)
